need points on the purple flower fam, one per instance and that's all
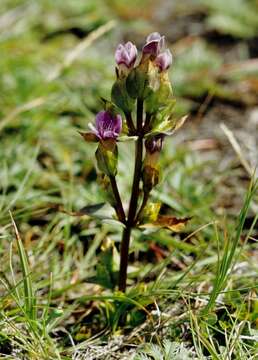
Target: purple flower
(154, 143)
(154, 44)
(164, 60)
(126, 54)
(108, 126)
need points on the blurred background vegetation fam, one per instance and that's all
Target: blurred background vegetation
(56, 61)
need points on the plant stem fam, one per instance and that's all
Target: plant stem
(146, 127)
(139, 115)
(131, 216)
(136, 182)
(144, 202)
(118, 205)
(124, 251)
(130, 123)
(133, 201)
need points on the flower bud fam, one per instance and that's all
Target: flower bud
(154, 45)
(154, 143)
(150, 178)
(126, 54)
(150, 175)
(136, 83)
(125, 57)
(164, 60)
(162, 97)
(142, 80)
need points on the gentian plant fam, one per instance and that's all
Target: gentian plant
(141, 108)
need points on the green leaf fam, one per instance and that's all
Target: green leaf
(169, 126)
(91, 209)
(88, 210)
(29, 297)
(105, 274)
(210, 319)
(121, 97)
(160, 98)
(143, 80)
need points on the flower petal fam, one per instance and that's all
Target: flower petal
(108, 126)
(151, 48)
(118, 124)
(126, 54)
(155, 36)
(155, 43)
(164, 60)
(100, 120)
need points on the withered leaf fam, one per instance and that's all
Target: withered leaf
(89, 136)
(168, 222)
(180, 123)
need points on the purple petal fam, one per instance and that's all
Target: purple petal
(155, 43)
(155, 36)
(109, 135)
(131, 50)
(154, 143)
(118, 124)
(100, 120)
(107, 125)
(164, 60)
(121, 55)
(126, 54)
(152, 48)
(162, 43)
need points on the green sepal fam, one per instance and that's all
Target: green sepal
(135, 83)
(120, 96)
(142, 80)
(161, 98)
(163, 120)
(107, 156)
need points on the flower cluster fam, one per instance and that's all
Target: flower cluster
(146, 82)
(141, 108)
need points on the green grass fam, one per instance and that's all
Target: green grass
(191, 294)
